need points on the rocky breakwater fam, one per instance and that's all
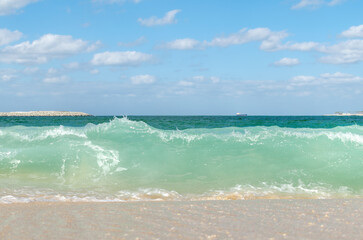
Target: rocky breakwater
(43, 114)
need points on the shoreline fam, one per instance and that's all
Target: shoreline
(240, 219)
(344, 114)
(43, 114)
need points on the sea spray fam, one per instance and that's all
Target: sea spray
(124, 160)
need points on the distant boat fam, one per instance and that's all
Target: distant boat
(241, 114)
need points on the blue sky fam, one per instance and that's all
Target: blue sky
(142, 57)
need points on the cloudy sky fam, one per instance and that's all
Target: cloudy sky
(135, 57)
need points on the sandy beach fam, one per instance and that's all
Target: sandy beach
(248, 219)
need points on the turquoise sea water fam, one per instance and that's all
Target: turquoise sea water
(179, 158)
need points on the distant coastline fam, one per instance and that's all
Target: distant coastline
(43, 114)
(360, 113)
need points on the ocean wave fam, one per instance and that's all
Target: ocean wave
(124, 156)
(353, 134)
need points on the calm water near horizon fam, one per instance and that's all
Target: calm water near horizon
(184, 122)
(106, 158)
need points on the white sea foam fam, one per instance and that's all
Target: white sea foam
(238, 192)
(7, 155)
(281, 191)
(39, 133)
(106, 159)
(345, 137)
(147, 194)
(61, 131)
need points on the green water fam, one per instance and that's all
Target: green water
(180, 158)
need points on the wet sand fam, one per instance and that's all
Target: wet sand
(240, 219)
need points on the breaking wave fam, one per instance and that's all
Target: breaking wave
(125, 160)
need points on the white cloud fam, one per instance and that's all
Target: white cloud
(340, 78)
(94, 71)
(354, 32)
(301, 80)
(215, 79)
(212, 79)
(185, 83)
(335, 2)
(336, 75)
(6, 77)
(48, 47)
(52, 71)
(328, 83)
(269, 40)
(142, 79)
(137, 42)
(31, 70)
(86, 24)
(120, 58)
(199, 78)
(10, 74)
(273, 40)
(277, 45)
(72, 65)
(60, 79)
(7, 36)
(182, 44)
(333, 85)
(11, 6)
(169, 18)
(303, 46)
(242, 37)
(325, 79)
(287, 62)
(315, 4)
(308, 3)
(350, 51)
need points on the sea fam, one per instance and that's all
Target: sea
(180, 158)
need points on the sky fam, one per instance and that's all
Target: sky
(181, 57)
